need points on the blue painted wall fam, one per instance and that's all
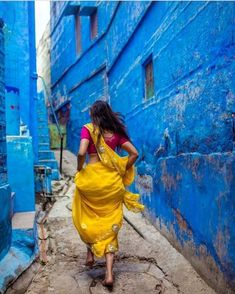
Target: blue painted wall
(21, 172)
(12, 111)
(20, 51)
(5, 193)
(5, 219)
(186, 167)
(3, 170)
(21, 95)
(17, 104)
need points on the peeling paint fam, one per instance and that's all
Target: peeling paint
(169, 181)
(144, 184)
(221, 243)
(184, 226)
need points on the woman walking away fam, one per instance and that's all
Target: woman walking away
(97, 207)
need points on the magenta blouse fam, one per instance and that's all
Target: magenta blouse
(113, 142)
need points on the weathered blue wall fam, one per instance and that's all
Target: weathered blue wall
(69, 83)
(21, 172)
(32, 98)
(186, 167)
(18, 246)
(5, 193)
(17, 103)
(188, 188)
(21, 95)
(12, 111)
(5, 219)
(24, 250)
(20, 69)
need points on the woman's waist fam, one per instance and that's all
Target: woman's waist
(93, 158)
(96, 175)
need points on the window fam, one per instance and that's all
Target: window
(78, 32)
(94, 24)
(149, 79)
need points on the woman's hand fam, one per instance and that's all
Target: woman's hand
(133, 153)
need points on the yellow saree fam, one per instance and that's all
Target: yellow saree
(99, 196)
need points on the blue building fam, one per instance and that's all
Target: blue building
(4, 186)
(168, 67)
(18, 139)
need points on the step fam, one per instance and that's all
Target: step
(43, 124)
(45, 154)
(43, 105)
(52, 163)
(43, 131)
(43, 139)
(42, 116)
(43, 146)
(43, 120)
(42, 112)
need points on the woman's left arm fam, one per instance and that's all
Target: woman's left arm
(133, 153)
(81, 156)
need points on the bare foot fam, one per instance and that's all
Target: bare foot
(108, 281)
(90, 258)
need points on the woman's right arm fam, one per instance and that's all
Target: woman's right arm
(81, 156)
(133, 153)
(84, 142)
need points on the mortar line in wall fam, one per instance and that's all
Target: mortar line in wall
(92, 75)
(144, 104)
(101, 37)
(141, 17)
(149, 50)
(88, 49)
(185, 25)
(137, 26)
(59, 19)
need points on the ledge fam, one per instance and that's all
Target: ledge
(23, 220)
(23, 250)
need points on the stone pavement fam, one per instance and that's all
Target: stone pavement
(146, 262)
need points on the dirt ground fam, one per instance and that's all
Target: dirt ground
(146, 262)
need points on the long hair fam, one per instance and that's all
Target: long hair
(106, 119)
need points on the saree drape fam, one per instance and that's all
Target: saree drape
(97, 207)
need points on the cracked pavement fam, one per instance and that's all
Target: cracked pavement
(145, 263)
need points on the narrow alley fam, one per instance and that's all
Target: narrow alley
(137, 99)
(146, 263)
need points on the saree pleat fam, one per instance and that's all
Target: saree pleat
(97, 207)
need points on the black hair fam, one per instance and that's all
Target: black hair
(106, 119)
